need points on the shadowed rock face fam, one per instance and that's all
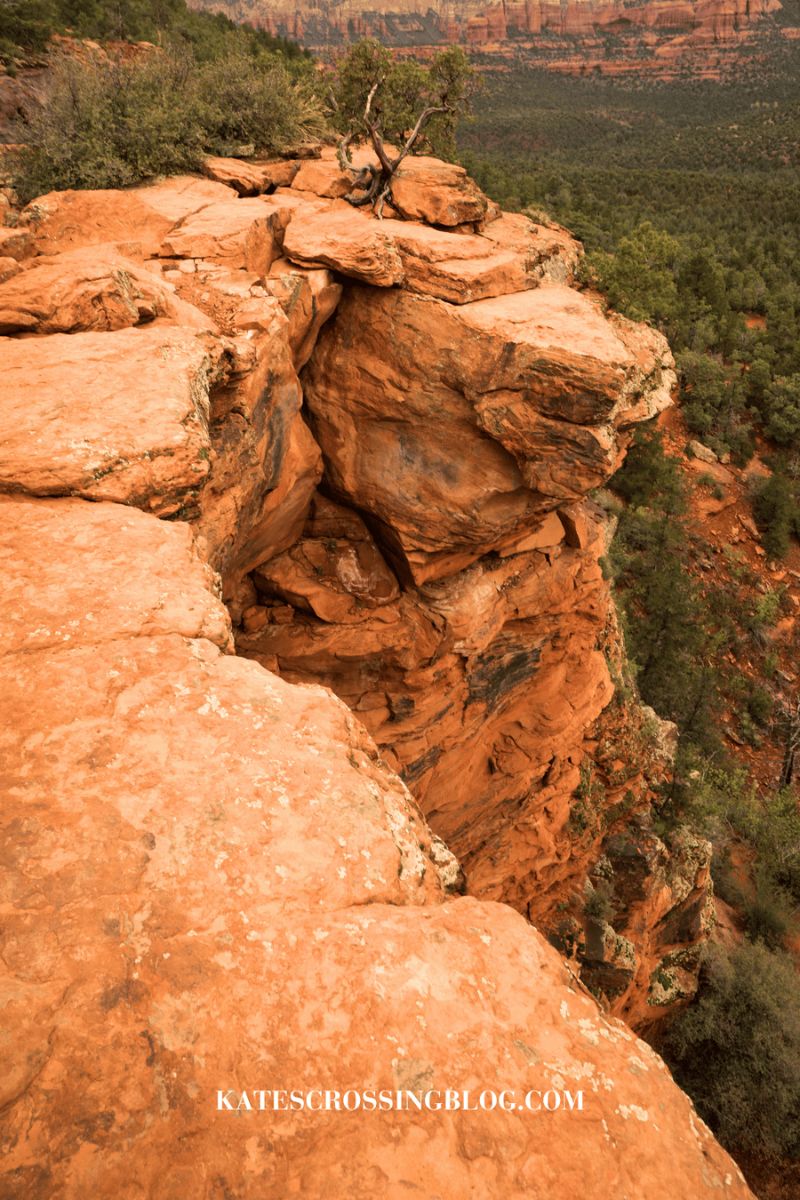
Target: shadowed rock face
(212, 879)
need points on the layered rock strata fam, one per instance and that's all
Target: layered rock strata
(212, 880)
(411, 529)
(654, 37)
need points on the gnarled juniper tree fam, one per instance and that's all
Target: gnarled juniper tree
(397, 106)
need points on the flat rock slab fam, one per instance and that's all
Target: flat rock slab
(139, 217)
(456, 267)
(80, 573)
(251, 178)
(110, 416)
(234, 233)
(180, 195)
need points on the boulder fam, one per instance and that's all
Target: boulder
(248, 177)
(334, 570)
(264, 463)
(324, 178)
(534, 389)
(16, 242)
(437, 193)
(703, 453)
(8, 268)
(348, 242)
(278, 512)
(92, 288)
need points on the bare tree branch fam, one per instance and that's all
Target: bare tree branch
(422, 121)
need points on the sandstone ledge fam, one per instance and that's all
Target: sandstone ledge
(212, 879)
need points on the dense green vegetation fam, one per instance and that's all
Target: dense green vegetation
(737, 1051)
(687, 198)
(110, 123)
(684, 637)
(681, 634)
(116, 119)
(26, 26)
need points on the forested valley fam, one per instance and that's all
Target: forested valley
(687, 199)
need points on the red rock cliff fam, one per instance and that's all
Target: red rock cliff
(212, 878)
(507, 26)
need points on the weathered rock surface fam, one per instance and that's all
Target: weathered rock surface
(109, 416)
(437, 193)
(233, 233)
(309, 298)
(139, 217)
(335, 571)
(15, 242)
(93, 288)
(8, 267)
(264, 464)
(533, 388)
(461, 268)
(212, 879)
(349, 243)
(251, 178)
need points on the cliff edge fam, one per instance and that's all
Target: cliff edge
(237, 411)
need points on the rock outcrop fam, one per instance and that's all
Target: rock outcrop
(214, 882)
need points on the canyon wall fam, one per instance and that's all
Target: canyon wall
(567, 36)
(238, 412)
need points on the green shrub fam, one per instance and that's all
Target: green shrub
(776, 511)
(759, 704)
(736, 1050)
(639, 278)
(713, 404)
(781, 408)
(254, 102)
(648, 473)
(24, 23)
(768, 913)
(599, 902)
(111, 124)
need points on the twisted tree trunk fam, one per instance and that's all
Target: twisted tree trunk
(372, 185)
